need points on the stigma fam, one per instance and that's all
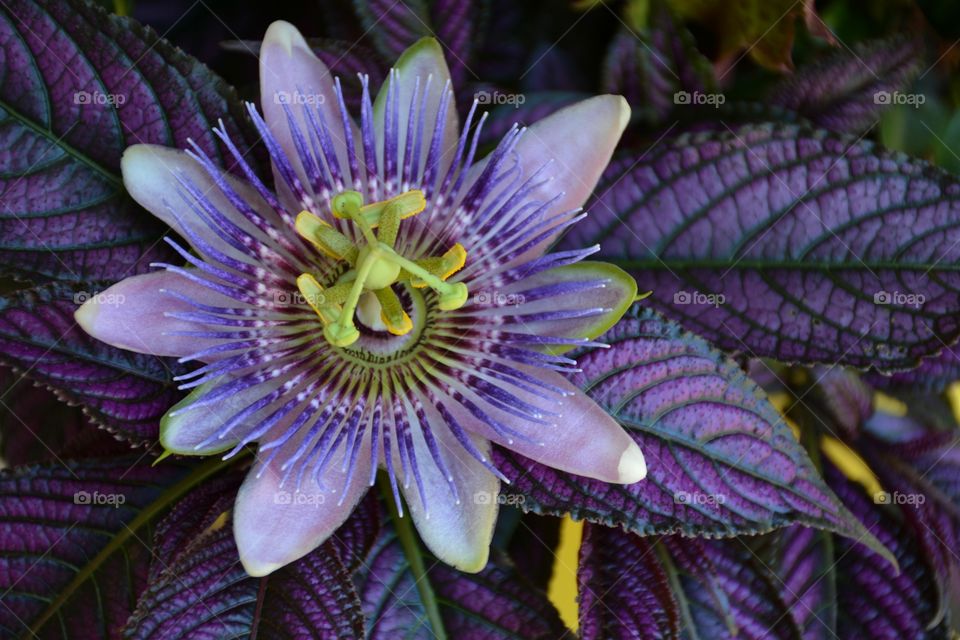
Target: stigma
(374, 265)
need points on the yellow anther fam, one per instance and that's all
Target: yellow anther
(441, 266)
(392, 314)
(325, 238)
(315, 296)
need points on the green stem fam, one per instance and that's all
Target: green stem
(173, 493)
(411, 549)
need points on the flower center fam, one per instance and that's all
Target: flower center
(374, 265)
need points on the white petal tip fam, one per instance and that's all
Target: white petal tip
(86, 315)
(632, 466)
(259, 569)
(284, 35)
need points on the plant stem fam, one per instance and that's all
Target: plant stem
(411, 549)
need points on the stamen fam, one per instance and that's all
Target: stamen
(376, 265)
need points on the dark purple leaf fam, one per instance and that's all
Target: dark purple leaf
(922, 477)
(79, 87)
(36, 427)
(124, 392)
(648, 68)
(532, 547)
(728, 593)
(873, 600)
(56, 519)
(721, 461)
(803, 561)
(624, 591)
(356, 537)
(848, 89)
(496, 603)
(845, 400)
(395, 25)
(788, 243)
(934, 374)
(199, 589)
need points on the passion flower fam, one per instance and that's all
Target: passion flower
(391, 304)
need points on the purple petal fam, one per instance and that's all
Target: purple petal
(133, 314)
(562, 440)
(276, 523)
(293, 80)
(457, 528)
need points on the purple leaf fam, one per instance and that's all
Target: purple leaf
(728, 592)
(199, 589)
(395, 25)
(36, 427)
(803, 562)
(922, 477)
(649, 68)
(845, 400)
(874, 600)
(624, 590)
(56, 520)
(721, 461)
(79, 87)
(496, 603)
(532, 547)
(788, 243)
(356, 537)
(934, 374)
(124, 392)
(848, 90)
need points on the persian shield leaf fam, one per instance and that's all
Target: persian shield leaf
(60, 521)
(721, 460)
(727, 593)
(847, 91)
(789, 243)
(79, 87)
(199, 589)
(495, 604)
(624, 591)
(802, 560)
(873, 600)
(124, 392)
(649, 68)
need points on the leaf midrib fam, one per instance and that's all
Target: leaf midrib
(58, 141)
